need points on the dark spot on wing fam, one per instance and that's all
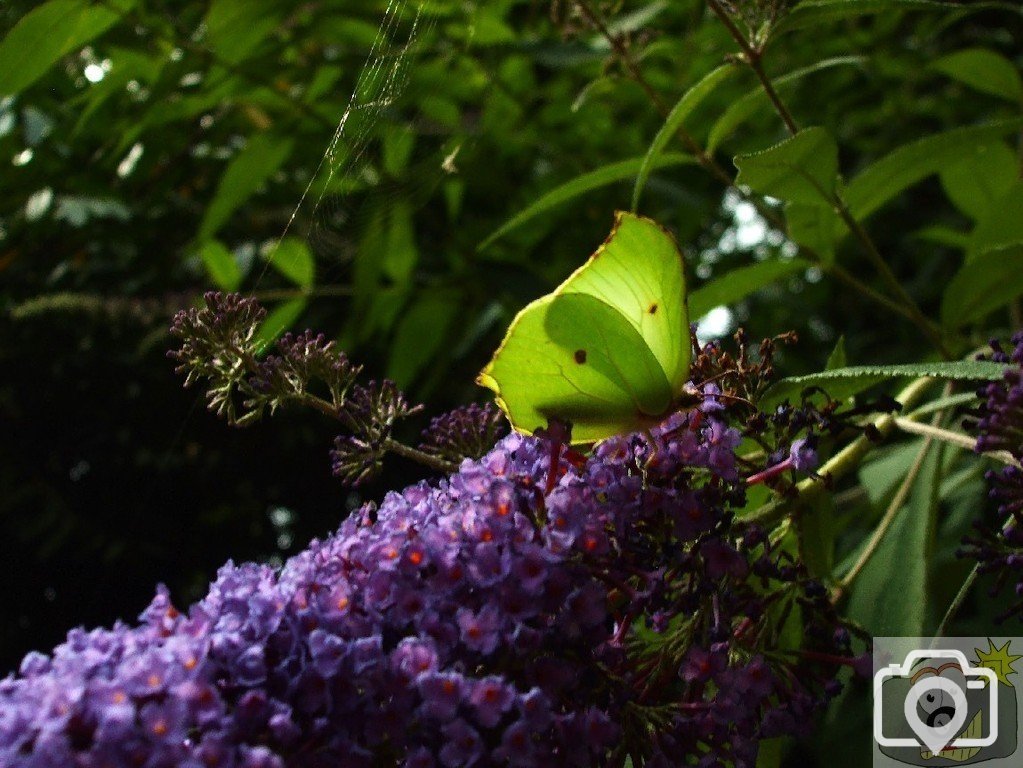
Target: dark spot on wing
(580, 356)
(653, 309)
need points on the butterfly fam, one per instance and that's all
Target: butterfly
(609, 349)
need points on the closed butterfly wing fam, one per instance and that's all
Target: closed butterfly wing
(609, 349)
(640, 272)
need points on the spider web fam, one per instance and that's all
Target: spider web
(381, 82)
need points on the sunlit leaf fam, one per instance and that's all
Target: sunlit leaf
(221, 265)
(48, 32)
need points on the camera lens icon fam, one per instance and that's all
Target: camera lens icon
(935, 708)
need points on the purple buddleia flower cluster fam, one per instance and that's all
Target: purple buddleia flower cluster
(466, 432)
(501, 617)
(998, 543)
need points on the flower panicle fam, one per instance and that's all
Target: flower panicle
(997, 543)
(220, 344)
(465, 432)
(477, 621)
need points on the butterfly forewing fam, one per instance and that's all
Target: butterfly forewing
(639, 271)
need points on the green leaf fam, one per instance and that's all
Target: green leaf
(602, 177)
(913, 162)
(811, 13)
(690, 100)
(976, 181)
(857, 378)
(246, 172)
(398, 143)
(816, 525)
(234, 28)
(945, 403)
(942, 235)
(801, 169)
(837, 359)
(890, 595)
(985, 283)
(48, 32)
(400, 254)
(743, 108)
(280, 319)
(881, 475)
(293, 259)
(420, 334)
(1002, 226)
(771, 753)
(221, 265)
(740, 283)
(983, 70)
(820, 228)
(815, 227)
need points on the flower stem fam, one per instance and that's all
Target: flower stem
(957, 601)
(842, 462)
(753, 56)
(420, 457)
(915, 314)
(390, 444)
(885, 524)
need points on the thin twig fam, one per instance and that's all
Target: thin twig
(957, 601)
(625, 56)
(888, 276)
(753, 56)
(932, 432)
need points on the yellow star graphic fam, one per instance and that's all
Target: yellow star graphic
(999, 660)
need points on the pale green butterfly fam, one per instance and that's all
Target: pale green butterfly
(609, 349)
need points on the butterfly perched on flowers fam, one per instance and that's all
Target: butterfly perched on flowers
(609, 349)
